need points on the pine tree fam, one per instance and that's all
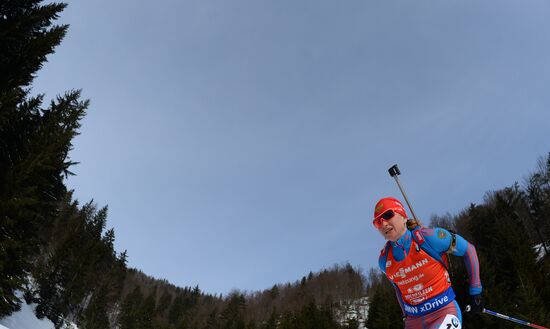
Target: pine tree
(147, 313)
(164, 303)
(513, 282)
(95, 316)
(384, 309)
(78, 274)
(34, 141)
(212, 322)
(233, 315)
(538, 196)
(130, 310)
(177, 309)
(271, 323)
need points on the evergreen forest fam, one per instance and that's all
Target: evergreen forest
(58, 252)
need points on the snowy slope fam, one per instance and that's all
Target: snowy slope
(540, 250)
(25, 319)
(353, 309)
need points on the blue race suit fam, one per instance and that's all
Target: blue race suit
(437, 242)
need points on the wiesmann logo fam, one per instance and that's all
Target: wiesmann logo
(403, 271)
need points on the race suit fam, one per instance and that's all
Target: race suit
(422, 283)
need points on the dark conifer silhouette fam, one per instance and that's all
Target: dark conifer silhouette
(34, 140)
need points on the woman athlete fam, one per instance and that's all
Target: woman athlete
(414, 260)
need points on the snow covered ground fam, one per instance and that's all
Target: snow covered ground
(541, 252)
(353, 309)
(25, 319)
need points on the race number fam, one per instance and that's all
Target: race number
(450, 322)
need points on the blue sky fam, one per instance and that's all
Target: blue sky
(240, 144)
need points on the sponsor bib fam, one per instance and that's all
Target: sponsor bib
(419, 277)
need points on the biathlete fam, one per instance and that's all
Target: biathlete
(414, 260)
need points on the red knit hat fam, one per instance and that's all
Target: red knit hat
(386, 204)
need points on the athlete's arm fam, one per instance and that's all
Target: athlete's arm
(441, 240)
(468, 251)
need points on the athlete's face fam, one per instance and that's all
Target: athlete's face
(393, 228)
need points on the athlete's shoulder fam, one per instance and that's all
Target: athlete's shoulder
(420, 234)
(428, 231)
(439, 238)
(436, 232)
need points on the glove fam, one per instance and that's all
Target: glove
(476, 304)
